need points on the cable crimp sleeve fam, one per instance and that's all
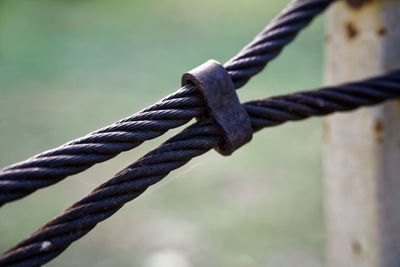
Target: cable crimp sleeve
(222, 103)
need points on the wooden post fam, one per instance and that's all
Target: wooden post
(362, 148)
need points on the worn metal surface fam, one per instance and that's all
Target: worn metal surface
(362, 151)
(222, 103)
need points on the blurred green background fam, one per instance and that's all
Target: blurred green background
(70, 67)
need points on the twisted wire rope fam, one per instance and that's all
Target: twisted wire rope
(54, 237)
(47, 168)
(268, 44)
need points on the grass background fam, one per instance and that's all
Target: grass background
(70, 67)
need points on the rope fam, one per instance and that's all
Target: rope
(54, 237)
(47, 168)
(269, 43)
(50, 167)
(279, 109)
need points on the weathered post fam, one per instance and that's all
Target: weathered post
(362, 148)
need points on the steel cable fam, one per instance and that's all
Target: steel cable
(47, 168)
(268, 44)
(54, 237)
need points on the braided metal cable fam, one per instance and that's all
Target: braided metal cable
(279, 109)
(50, 167)
(269, 43)
(54, 237)
(47, 168)
(104, 201)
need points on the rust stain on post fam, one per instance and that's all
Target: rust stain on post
(351, 30)
(382, 31)
(379, 128)
(356, 247)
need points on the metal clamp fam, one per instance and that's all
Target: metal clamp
(222, 103)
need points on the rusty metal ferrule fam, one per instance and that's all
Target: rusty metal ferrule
(222, 102)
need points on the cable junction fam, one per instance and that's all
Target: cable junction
(208, 94)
